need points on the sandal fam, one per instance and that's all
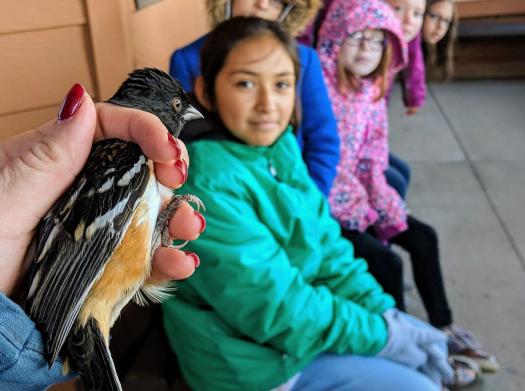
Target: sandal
(466, 372)
(461, 342)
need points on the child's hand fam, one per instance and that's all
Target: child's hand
(412, 110)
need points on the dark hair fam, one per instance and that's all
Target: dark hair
(228, 34)
(439, 58)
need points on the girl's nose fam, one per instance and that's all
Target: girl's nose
(408, 19)
(262, 4)
(265, 101)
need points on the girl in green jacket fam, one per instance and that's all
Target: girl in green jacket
(279, 301)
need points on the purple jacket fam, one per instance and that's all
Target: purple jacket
(361, 197)
(413, 82)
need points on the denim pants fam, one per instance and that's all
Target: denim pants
(398, 175)
(358, 373)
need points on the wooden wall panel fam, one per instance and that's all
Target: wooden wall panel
(20, 122)
(24, 15)
(39, 67)
(110, 44)
(159, 29)
(483, 8)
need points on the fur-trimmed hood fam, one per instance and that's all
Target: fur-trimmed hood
(302, 13)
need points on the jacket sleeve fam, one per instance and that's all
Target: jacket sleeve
(181, 70)
(413, 84)
(338, 252)
(247, 277)
(22, 362)
(349, 202)
(318, 130)
(388, 204)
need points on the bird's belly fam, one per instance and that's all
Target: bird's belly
(129, 266)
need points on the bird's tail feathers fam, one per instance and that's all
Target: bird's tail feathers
(89, 354)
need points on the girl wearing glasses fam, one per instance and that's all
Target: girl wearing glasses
(439, 34)
(360, 42)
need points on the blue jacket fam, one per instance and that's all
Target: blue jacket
(22, 362)
(317, 133)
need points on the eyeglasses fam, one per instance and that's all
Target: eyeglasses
(439, 18)
(358, 39)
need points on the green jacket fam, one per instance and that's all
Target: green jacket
(277, 285)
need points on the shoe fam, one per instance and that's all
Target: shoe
(466, 372)
(461, 342)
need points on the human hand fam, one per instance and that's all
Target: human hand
(416, 344)
(37, 166)
(412, 110)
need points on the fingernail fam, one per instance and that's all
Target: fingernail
(183, 168)
(175, 145)
(195, 258)
(202, 220)
(71, 102)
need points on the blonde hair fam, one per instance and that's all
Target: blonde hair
(347, 80)
(302, 13)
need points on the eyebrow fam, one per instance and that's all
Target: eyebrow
(251, 73)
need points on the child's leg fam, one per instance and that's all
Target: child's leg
(398, 175)
(400, 165)
(421, 242)
(358, 373)
(385, 265)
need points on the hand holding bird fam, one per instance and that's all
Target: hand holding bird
(43, 163)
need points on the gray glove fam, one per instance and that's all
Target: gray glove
(416, 344)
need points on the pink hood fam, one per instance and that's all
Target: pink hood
(345, 17)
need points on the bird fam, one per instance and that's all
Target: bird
(92, 251)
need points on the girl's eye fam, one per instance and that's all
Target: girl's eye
(244, 84)
(282, 85)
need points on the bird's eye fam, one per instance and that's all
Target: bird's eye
(177, 104)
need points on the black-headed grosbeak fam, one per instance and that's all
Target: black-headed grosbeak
(92, 251)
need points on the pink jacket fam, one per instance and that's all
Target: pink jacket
(360, 196)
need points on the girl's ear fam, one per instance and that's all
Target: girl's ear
(200, 93)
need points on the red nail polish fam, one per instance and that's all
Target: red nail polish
(71, 102)
(195, 257)
(183, 168)
(175, 145)
(202, 220)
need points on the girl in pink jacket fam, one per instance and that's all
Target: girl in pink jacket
(360, 42)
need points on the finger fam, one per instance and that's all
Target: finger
(137, 126)
(432, 373)
(54, 153)
(438, 355)
(416, 357)
(187, 223)
(171, 264)
(174, 174)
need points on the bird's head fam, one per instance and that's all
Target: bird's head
(156, 92)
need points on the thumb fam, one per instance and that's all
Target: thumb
(42, 163)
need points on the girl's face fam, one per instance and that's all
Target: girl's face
(362, 52)
(410, 14)
(437, 21)
(265, 9)
(255, 90)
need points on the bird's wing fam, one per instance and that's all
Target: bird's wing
(78, 235)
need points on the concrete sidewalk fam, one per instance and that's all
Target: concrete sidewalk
(467, 153)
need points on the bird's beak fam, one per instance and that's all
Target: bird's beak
(192, 114)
